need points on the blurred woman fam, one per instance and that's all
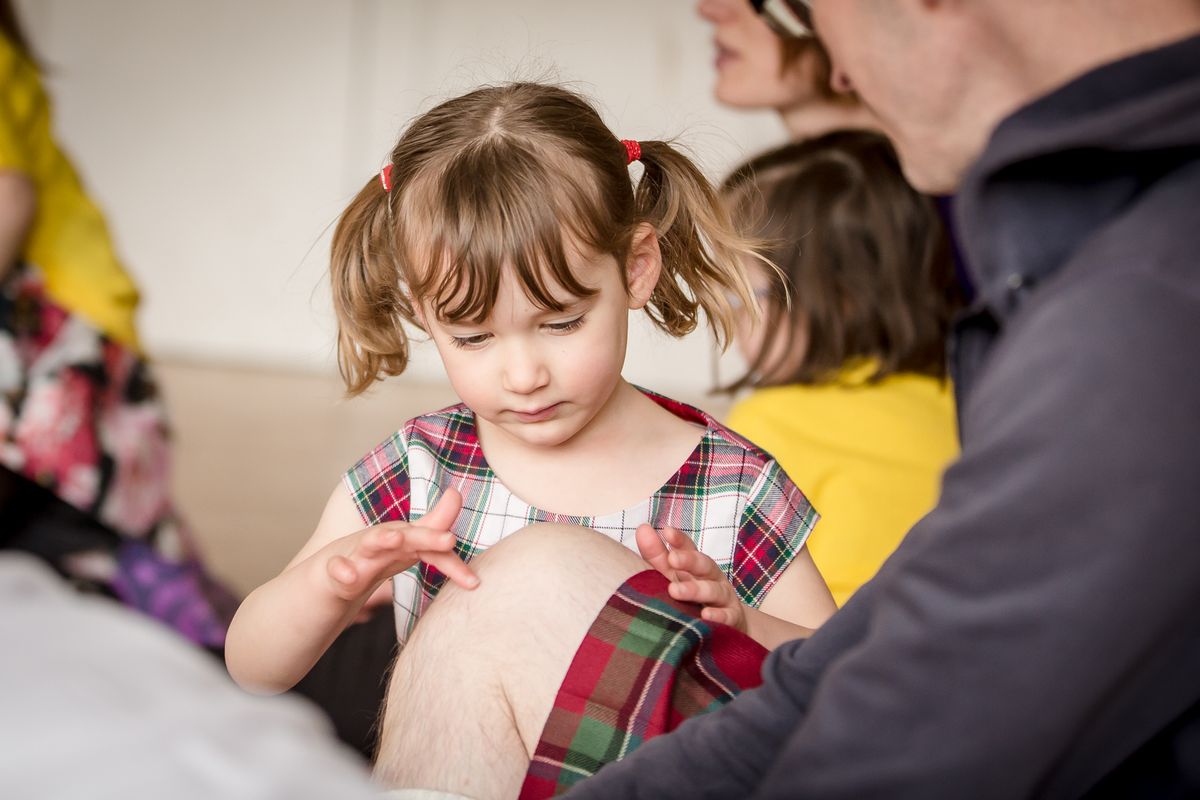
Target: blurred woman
(756, 69)
(84, 455)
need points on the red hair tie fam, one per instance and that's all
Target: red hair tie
(385, 178)
(633, 150)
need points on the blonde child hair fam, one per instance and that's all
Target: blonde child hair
(494, 179)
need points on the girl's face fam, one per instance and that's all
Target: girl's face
(753, 338)
(749, 60)
(541, 376)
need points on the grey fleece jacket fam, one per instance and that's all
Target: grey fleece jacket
(1038, 633)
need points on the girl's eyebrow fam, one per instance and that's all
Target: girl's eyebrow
(571, 306)
(568, 307)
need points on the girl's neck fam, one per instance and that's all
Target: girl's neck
(628, 450)
(819, 116)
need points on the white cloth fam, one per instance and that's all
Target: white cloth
(98, 702)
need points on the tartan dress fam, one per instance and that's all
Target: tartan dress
(730, 497)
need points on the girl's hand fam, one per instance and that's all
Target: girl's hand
(379, 598)
(695, 578)
(359, 563)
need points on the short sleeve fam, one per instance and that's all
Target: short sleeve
(382, 490)
(380, 485)
(772, 530)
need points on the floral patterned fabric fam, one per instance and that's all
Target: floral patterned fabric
(80, 415)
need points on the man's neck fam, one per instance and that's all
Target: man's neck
(1054, 43)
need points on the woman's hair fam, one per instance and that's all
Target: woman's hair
(11, 29)
(795, 50)
(509, 177)
(865, 270)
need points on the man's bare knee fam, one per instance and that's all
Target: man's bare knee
(551, 557)
(499, 652)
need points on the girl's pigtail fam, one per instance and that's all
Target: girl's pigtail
(368, 299)
(704, 258)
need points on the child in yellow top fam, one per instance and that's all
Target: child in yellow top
(68, 241)
(848, 372)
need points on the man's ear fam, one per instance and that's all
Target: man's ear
(643, 265)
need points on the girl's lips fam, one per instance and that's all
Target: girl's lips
(537, 415)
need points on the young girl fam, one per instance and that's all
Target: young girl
(848, 365)
(507, 228)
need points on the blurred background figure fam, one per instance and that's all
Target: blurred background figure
(756, 69)
(84, 456)
(850, 388)
(847, 371)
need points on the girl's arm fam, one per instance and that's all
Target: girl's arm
(797, 604)
(285, 625)
(18, 207)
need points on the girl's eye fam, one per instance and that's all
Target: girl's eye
(566, 327)
(469, 342)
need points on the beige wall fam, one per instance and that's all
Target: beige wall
(224, 136)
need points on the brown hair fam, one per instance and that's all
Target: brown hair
(497, 179)
(862, 256)
(11, 29)
(795, 50)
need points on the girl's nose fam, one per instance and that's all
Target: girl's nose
(524, 370)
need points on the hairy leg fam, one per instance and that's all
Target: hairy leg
(472, 689)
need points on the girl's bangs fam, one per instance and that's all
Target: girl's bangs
(471, 228)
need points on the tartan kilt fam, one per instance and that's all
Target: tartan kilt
(647, 663)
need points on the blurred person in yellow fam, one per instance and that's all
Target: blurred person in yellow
(47, 218)
(84, 450)
(847, 364)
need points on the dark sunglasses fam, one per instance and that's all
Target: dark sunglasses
(791, 19)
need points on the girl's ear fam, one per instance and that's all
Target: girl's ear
(643, 265)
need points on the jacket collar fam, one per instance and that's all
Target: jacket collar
(1058, 169)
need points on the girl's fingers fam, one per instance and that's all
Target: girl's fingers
(379, 539)
(444, 511)
(653, 550)
(677, 539)
(705, 593)
(452, 567)
(342, 570)
(715, 614)
(695, 562)
(409, 538)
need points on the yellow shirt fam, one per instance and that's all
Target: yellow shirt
(868, 456)
(69, 241)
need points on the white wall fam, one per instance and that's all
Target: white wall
(223, 137)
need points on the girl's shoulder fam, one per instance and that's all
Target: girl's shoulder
(722, 446)
(445, 434)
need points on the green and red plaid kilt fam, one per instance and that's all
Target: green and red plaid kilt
(647, 663)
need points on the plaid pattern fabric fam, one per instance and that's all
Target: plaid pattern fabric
(729, 496)
(647, 663)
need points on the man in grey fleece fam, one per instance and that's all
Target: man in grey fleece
(1037, 634)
